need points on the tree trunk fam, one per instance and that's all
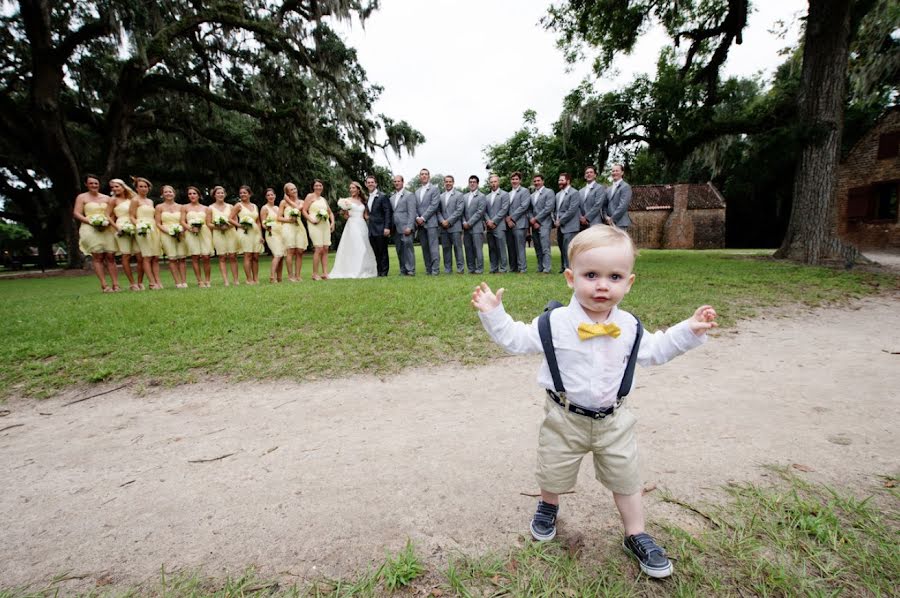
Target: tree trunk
(811, 235)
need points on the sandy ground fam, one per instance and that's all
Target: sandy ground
(323, 478)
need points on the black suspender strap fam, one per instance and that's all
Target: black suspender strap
(628, 377)
(547, 344)
(546, 334)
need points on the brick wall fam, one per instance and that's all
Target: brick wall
(860, 169)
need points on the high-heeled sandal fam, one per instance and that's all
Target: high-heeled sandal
(134, 287)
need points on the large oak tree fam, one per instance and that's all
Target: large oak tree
(177, 86)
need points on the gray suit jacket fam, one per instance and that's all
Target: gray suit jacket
(428, 206)
(592, 204)
(520, 207)
(474, 212)
(404, 211)
(544, 206)
(453, 212)
(569, 210)
(617, 205)
(497, 210)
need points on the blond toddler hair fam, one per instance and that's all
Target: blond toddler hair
(599, 235)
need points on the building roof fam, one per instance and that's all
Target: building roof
(662, 197)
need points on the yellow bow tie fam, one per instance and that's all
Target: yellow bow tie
(586, 331)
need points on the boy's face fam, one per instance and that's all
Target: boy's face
(601, 277)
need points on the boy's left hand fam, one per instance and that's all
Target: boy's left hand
(703, 319)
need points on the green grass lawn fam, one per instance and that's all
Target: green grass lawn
(61, 331)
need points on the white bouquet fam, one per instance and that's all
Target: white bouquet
(293, 213)
(220, 222)
(99, 222)
(196, 223)
(127, 230)
(269, 223)
(345, 203)
(176, 230)
(143, 228)
(321, 214)
(246, 223)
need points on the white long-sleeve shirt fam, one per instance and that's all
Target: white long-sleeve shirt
(591, 370)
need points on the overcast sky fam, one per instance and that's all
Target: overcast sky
(464, 71)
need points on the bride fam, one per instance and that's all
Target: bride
(355, 258)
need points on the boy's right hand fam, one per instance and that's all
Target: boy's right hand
(484, 300)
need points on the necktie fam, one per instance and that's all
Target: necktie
(586, 330)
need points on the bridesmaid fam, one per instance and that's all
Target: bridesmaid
(97, 239)
(293, 232)
(321, 224)
(143, 216)
(197, 236)
(272, 226)
(168, 216)
(218, 218)
(122, 196)
(245, 216)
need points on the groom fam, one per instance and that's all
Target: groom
(380, 220)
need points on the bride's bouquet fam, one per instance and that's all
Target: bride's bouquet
(345, 203)
(144, 228)
(246, 223)
(176, 230)
(220, 222)
(126, 230)
(294, 214)
(99, 222)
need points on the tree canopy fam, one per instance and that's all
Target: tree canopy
(224, 92)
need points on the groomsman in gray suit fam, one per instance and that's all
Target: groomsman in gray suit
(593, 198)
(568, 211)
(495, 221)
(543, 201)
(618, 199)
(428, 204)
(517, 223)
(473, 227)
(403, 204)
(453, 207)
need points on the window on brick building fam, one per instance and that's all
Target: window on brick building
(878, 201)
(886, 200)
(888, 145)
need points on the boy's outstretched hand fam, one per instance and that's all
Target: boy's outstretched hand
(484, 299)
(703, 319)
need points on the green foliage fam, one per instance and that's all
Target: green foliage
(401, 570)
(62, 331)
(185, 93)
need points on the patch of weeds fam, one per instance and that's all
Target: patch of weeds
(400, 571)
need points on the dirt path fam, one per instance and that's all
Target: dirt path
(325, 477)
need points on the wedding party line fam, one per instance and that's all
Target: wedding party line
(449, 223)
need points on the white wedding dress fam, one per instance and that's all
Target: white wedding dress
(355, 258)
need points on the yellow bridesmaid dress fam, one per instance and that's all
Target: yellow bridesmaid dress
(90, 238)
(124, 243)
(273, 237)
(320, 232)
(172, 247)
(224, 241)
(293, 234)
(249, 240)
(197, 243)
(148, 244)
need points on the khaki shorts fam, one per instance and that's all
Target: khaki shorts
(566, 437)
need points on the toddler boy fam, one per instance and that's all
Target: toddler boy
(592, 340)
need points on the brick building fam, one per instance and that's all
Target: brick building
(677, 216)
(868, 186)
